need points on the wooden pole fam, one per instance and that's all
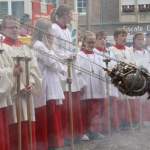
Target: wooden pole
(18, 104)
(29, 102)
(109, 100)
(69, 81)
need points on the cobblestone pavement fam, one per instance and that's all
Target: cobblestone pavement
(138, 139)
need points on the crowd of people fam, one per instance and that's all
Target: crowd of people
(51, 94)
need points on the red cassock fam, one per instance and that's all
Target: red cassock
(55, 128)
(94, 115)
(76, 116)
(4, 128)
(41, 128)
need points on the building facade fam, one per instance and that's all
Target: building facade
(93, 15)
(20, 7)
(134, 15)
(15, 7)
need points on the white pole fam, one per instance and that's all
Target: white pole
(75, 6)
(9, 7)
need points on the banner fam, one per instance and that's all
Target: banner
(40, 9)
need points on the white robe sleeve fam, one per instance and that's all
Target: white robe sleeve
(5, 83)
(47, 57)
(35, 75)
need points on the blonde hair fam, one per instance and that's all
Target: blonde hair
(42, 27)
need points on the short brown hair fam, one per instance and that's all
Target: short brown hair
(100, 34)
(120, 31)
(62, 10)
(8, 18)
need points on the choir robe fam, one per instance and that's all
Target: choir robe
(52, 95)
(93, 91)
(5, 98)
(139, 105)
(120, 104)
(64, 49)
(106, 106)
(16, 49)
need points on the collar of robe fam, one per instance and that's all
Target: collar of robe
(119, 47)
(12, 42)
(138, 49)
(86, 51)
(62, 26)
(101, 49)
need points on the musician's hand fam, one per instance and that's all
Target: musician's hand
(17, 70)
(82, 91)
(27, 90)
(72, 56)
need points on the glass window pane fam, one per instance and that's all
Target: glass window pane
(3, 9)
(79, 9)
(18, 8)
(49, 1)
(81, 6)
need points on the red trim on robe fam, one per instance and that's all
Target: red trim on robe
(87, 51)
(100, 49)
(12, 42)
(120, 47)
(138, 49)
(62, 26)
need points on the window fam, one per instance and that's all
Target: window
(54, 2)
(128, 8)
(18, 8)
(144, 7)
(3, 9)
(81, 5)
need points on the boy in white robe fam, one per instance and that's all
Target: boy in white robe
(64, 49)
(92, 86)
(10, 27)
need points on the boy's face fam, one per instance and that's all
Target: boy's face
(101, 41)
(68, 17)
(121, 39)
(90, 42)
(148, 40)
(139, 41)
(11, 29)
